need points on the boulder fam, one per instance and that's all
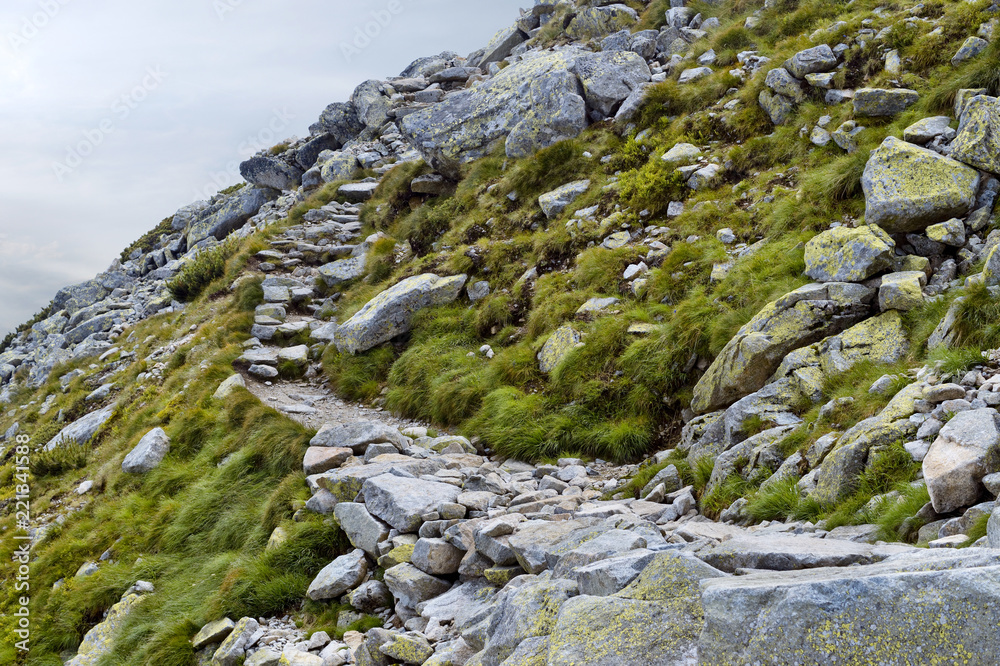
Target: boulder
(972, 47)
(83, 429)
(401, 501)
(610, 77)
(966, 450)
(783, 83)
(555, 202)
(908, 188)
(527, 106)
(902, 291)
(343, 271)
(339, 166)
(228, 215)
(307, 155)
(357, 435)
(606, 577)
(363, 530)
(227, 387)
(436, 556)
(389, 314)
(682, 154)
(358, 192)
(883, 102)
(346, 482)
(148, 453)
(810, 61)
(79, 296)
(790, 552)
(99, 641)
(795, 320)
(778, 107)
(557, 347)
(343, 574)
(213, 632)
(233, 649)
(407, 649)
(411, 586)
(372, 104)
(270, 172)
(978, 141)
(880, 613)
(529, 611)
(694, 74)
(319, 459)
(844, 254)
(597, 22)
(500, 46)
(926, 130)
(341, 121)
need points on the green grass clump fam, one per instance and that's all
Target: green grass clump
(150, 240)
(887, 468)
(207, 267)
(782, 501)
(359, 377)
(61, 459)
(652, 187)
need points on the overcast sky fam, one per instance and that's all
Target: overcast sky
(115, 113)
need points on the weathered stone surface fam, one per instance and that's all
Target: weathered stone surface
(606, 577)
(529, 611)
(972, 47)
(340, 120)
(99, 641)
(778, 107)
(978, 141)
(881, 613)
(357, 435)
(555, 202)
(783, 83)
(795, 320)
(436, 557)
(993, 528)
(908, 188)
(346, 482)
(401, 501)
(213, 632)
(81, 430)
(233, 649)
(902, 291)
(682, 154)
(371, 103)
(810, 61)
(227, 387)
(270, 172)
(228, 215)
(389, 314)
(966, 449)
(788, 553)
(362, 529)
(407, 649)
(926, 130)
(608, 78)
(844, 254)
(343, 574)
(319, 459)
(500, 46)
(596, 22)
(148, 453)
(557, 347)
(410, 586)
(527, 106)
(883, 102)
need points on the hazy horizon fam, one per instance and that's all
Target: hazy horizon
(116, 115)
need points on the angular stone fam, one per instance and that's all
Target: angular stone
(343, 574)
(608, 78)
(148, 453)
(844, 254)
(407, 649)
(606, 577)
(908, 188)
(783, 83)
(99, 641)
(436, 557)
(596, 22)
(402, 501)
(928, 129)
(694, 74)
(882, 102)
(357, 435)
(971, 48)
(390, 313)
(950, 233)
(233, 649)
(81, 430)
(810, 61)
(411, 586)
(978, 141)
(319, 459)
(966, 450)
(555, 202)
(271, 172)
(778, 107)
(682, 154)
(795, 320)
(213, 632)
(228, 215)
(529, 611)
(902, 291)
(557, 347)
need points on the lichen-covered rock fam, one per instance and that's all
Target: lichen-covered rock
(972, 47)
(908, 188)
(926, 130)
(795, 320)
(810, 61)
(883, 102)
(98, 642)
(407, 649)
(596, 22)
(500, 46)
(555, 202)
(213, 632)
(343, 271)
(371, 103)
(951, 232)
(844, 254)
(778, 107)
(343, 574)
(233, 649)
(401, 501)
(529, 611)
(557, 347)
(411, 586)
(902, 291)
(928, 603)
(363, 530)
(389, 314)
(788, 552)
(339, 166)
(682, 154)
(978, 141)
(340, 120)
(783, 83)
(527, 106)
(966, 450)
(270, 172)
(228, 215)
(610, 77)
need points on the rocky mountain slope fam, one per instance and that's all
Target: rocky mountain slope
(650, 333)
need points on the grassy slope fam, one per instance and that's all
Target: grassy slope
(200, 529)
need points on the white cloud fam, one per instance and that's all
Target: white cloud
(224, 80)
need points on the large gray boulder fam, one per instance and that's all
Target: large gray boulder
(501, 45)
(966, 450)
(810, 61)
(363, 530)
(343, 574)
(358, 435)
(878, 614)
(81, 430)
(401, 501)
(610, 77)
(529, 611)
(371, 104)
(79, 296)
(270, 172)
(390, 313)
(597, 22)
(228, 215)
(978, 141)
(307, 155)
(883, 102)
(606, 577)
(800, 318)
(148, 453)
(527, 106)
(908, 188)
(779, 552)
(555, 202)
(341, 120)
(233, 649)
(411, 586)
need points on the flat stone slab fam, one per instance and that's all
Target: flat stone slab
(789, 552)
(401, 501)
